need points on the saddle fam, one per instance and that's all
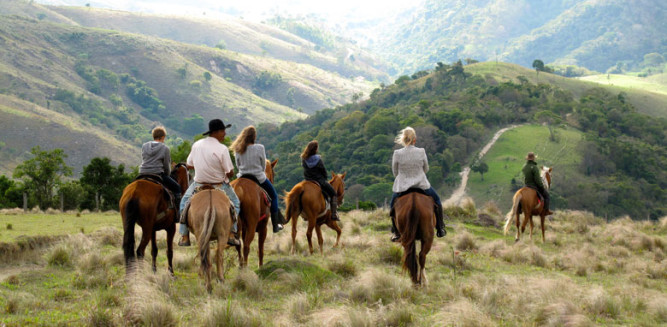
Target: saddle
(540, 198)
(184, 214)
(327, 201)
(265, 196)
(406, 192)
(157, 179)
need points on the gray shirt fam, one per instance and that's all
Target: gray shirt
(410, 166)
(155, 158)
(252, 162)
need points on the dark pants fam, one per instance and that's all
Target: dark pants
(430, 192)
(171, 184)
(268, 187)
(327, 188)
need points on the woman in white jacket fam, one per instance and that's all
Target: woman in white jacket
(409, 165)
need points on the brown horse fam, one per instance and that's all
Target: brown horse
(254, 212)
(145, 203)
(415, 220)
(210, 219)
(527, 200)
(306, 199)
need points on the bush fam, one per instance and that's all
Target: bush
(60, 256)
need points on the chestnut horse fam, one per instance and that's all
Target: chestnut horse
(253, 208)
(306, 199)
(144, 202)
(527, 200)
(415, 220)
(210, 219)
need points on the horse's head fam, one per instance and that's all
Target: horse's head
(338, 184)
(268, 169)
(546, 176)
(179, 172)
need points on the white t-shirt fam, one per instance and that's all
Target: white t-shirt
(211, 161)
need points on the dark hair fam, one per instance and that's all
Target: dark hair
(310, 149)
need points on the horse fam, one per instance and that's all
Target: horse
(306, 199)
(144, 202)
(415, 220)
(210, 219)
(526, 199)
(254, 212)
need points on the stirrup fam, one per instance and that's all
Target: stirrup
(277, 228)
(184, 242)
(395, 237)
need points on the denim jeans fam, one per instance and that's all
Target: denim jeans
(430, 192)
(268, 187)
(183, 229)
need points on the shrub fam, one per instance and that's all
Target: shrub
(248, 281)
(228, 314)
(10, 226)
(391, 254)
(465, 242)
(60, 256)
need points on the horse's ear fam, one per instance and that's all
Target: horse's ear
(333, 175)
(343, 175)
(550, 169)
(541, 167)
(273, 163)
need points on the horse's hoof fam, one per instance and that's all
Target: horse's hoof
(516, 240)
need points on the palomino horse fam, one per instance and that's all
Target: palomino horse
(415, 221)
(144, 202)
(527, 200)
(254, 212)
(306, 199)
(210, 219)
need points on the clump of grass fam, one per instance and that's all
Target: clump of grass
(536, 256)
(12, 280)
(13, 304)
(658, 309)
(249, 282)
(560, 314)
(360, 317)
(493, 248)
(453, 259)
(115, 259)
(299, 307)
(109, 236)
(107, 298)
(374, 285)
(99, 317)
(10, 226)
(91, 262)
(391, 254)
(345, 267)
(159, 313)
(146, 305)
(465, 242)
(463, 313)
(60, 256)
(399, 315)
(599, 303)
(228, 314)
(61, 294)
(492, 209)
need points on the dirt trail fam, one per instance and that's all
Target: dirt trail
(460, 192)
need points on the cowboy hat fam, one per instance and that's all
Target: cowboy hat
(216, 125)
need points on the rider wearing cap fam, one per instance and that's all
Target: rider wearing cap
(533, 179)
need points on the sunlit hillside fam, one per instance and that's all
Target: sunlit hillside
(587, 273)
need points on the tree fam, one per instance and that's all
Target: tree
(550, 119)
(43, 173)
(480, 167)
(538, 65)
(103, 183)
(6, 185)
(208, 76)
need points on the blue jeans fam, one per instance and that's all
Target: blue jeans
(183, 229)
(268, 187)
(430, 192)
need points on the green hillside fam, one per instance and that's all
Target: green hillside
(506, 158)
(588, 33)
(648, 97)
(611, 154)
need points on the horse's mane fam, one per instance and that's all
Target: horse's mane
(543, 174)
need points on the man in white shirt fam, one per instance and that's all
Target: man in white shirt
(213, 165)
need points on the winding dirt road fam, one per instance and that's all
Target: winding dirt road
(460, 192)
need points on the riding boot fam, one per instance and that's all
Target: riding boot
(395, 235)
(546, 206)
(233, 239)
(276, 219)
(439, 222)
(185, 238)
(334, 208)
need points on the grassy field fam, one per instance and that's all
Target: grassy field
(587, 273)
(506, 158)
(54, 224)
(642, 96)
(654, 84)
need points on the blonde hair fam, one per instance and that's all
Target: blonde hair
(310, 149)
(245, 138)
(158, 132)
(406, 136)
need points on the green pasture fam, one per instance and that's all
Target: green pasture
(507, 156)
(56, 224)
(655, 84)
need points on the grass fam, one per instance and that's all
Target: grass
(57, 224)
(604, 274)
(642, 95)
(507, 156)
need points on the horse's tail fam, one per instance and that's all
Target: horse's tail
(131, 217)
(206, 231)
(516, 200)
(293, 203)
(408, 241)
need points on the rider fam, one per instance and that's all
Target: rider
(251, 160)
(313, 170)
(533, 179)
(410, 165)
(213, 165)
(156, 160)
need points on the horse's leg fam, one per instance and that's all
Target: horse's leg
(518, 225)
(171, 231)
(294, 221)
(425, 249)
(219, 259)
(154, 250)
(248, 236)
(320, 239)
(146, 232)
(260, 250)
(542, 226)
(531, 228)
(309, 233)
(334, 225)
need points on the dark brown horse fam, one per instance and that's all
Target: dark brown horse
(527, 201)
(254, 212)
(210, 219)
(415, 220)
(145, 203)
(306, 199)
